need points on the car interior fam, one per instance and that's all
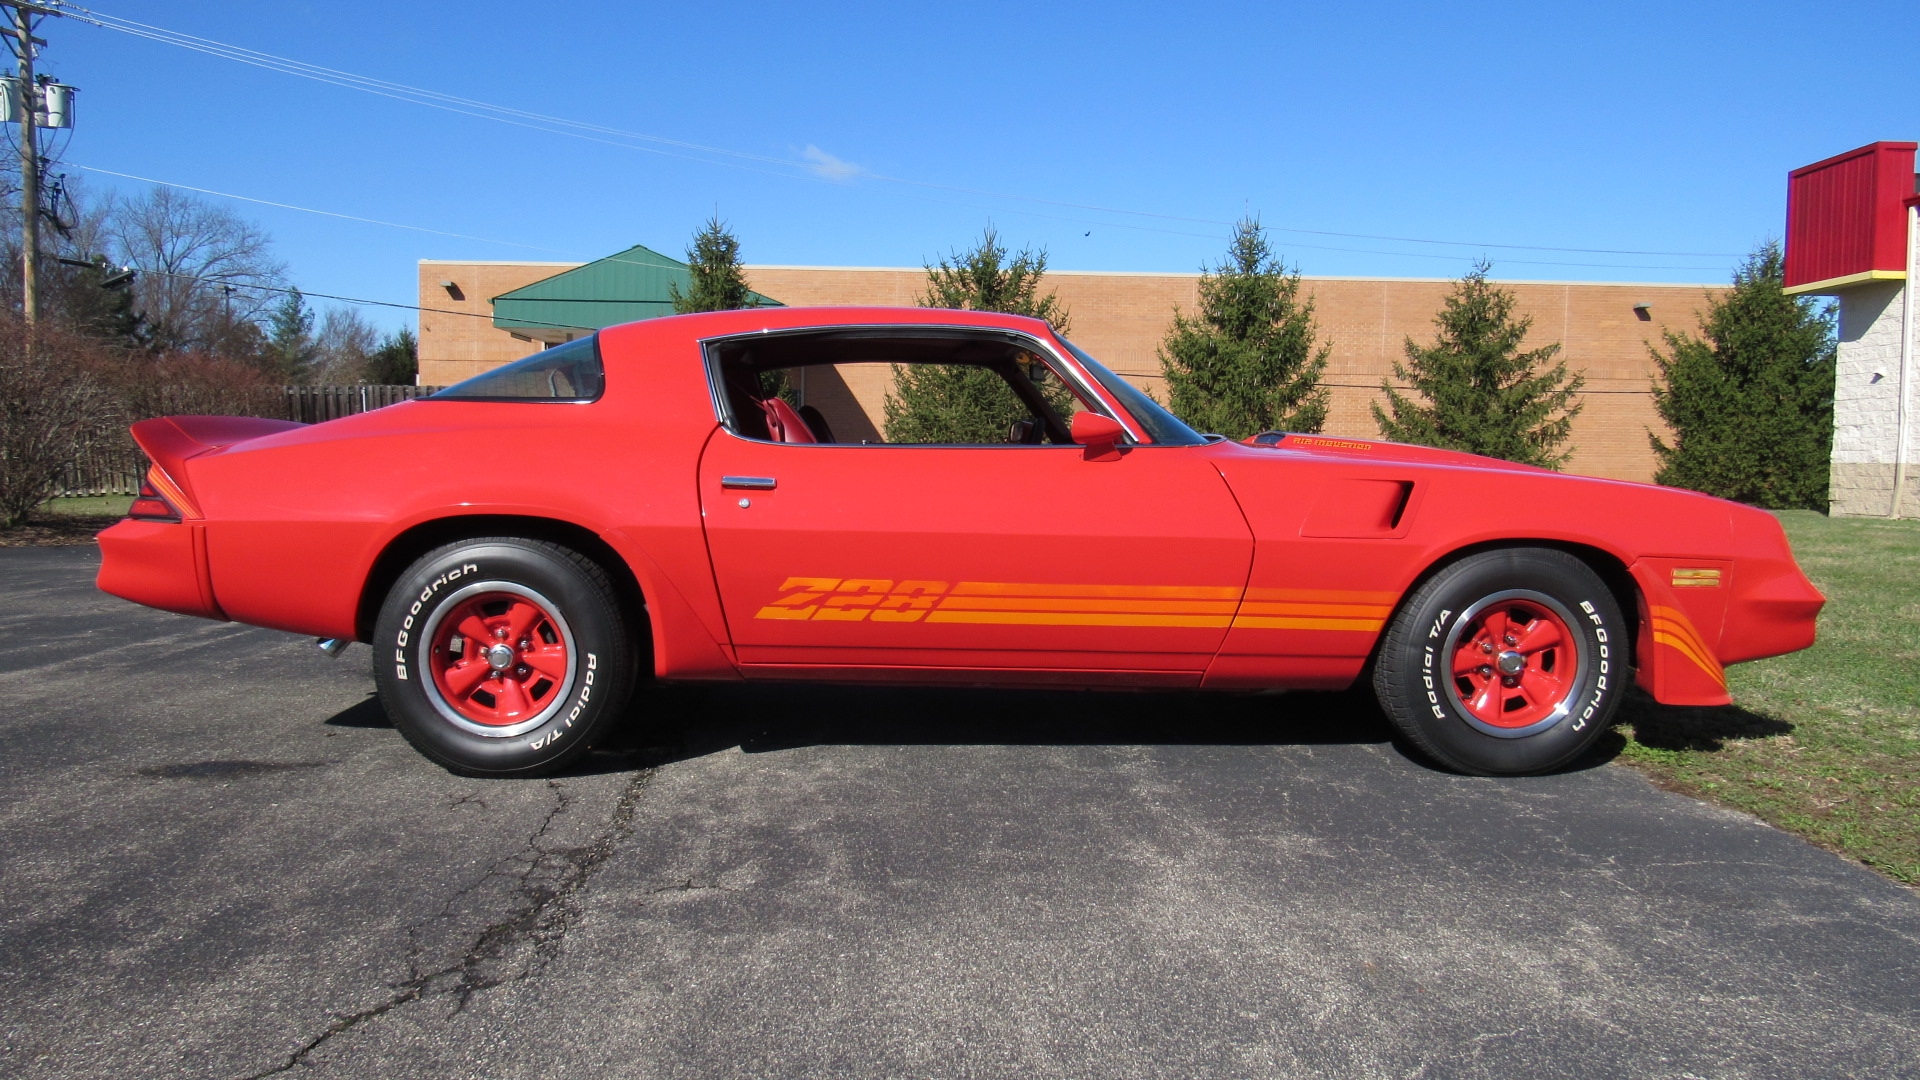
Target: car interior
(783, 388)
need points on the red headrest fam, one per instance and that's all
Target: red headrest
(783, 424)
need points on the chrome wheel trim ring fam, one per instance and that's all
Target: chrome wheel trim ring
(445, 708)
(1470, 616)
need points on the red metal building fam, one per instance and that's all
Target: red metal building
(1851, 229)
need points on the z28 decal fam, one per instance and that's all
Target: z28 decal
(884, 600)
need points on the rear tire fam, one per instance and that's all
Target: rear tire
(1505, 663)
(503, 656)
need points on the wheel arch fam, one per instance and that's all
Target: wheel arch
(1610, 568)
(410, 544)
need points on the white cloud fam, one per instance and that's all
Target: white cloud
(829, 166)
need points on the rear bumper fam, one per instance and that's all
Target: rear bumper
(160, 564)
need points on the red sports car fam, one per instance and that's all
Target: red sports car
(706, 497)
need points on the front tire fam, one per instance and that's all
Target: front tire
(503, 656)
(1505, 663)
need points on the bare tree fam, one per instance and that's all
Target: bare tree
(345, 342)
(53, 401)
(203, 269)
(74, 230)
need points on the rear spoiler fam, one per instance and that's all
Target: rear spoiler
(170, 440)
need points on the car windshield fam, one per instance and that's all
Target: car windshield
(1164, 428)
(569, 372)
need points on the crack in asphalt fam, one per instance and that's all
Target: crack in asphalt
(691, 885)
(517, 947)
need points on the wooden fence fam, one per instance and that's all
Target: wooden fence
(114, 466)
(313, 404)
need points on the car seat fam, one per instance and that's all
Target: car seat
(783, 424)
(816, 423)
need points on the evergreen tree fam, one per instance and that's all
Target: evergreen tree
(290, 347)
(396, 362)
(95, 299)
(719, 284)
(984, 279)
(1247, 362)
(965, 403)
(1481, 393)
(713, 261)
(1751, 405)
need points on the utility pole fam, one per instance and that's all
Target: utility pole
(28, 99)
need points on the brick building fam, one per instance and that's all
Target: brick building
(483, 314)
(1853, 222)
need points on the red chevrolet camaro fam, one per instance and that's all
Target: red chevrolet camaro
(705, 497)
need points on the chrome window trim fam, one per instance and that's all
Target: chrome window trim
(1088, 389)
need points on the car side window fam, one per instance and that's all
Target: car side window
(924, 389)
(569, 372)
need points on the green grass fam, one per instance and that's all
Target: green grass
(97, 506)
(1825, 742)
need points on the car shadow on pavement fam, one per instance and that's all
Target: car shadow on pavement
(1684, 727)
(675, 723)
(368, 713)
(669, 723)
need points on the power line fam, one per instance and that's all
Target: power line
(311, 210)
(286, 289)
(365, 220)
(569, 326)
(1373, 386)
(639, 262)
(812, 172)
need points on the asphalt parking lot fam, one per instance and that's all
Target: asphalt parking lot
(221, 862)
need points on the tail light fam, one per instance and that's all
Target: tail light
(160, 499)
(152, 506)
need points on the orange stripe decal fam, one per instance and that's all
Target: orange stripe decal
(1323, 596)
(1076, 618)
(1672, 628)
(881, 600)
(1260, 622)
(1136, 592)
(1037, 603)
(1348, 611)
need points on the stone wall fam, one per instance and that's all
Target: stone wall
(1866, 402)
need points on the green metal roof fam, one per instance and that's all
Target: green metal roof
(634, 284)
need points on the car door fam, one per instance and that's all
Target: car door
(1036, 563)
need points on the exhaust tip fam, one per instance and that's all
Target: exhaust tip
(333, 646)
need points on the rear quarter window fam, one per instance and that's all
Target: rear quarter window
(569, 372)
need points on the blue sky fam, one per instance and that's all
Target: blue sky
(1653, 128)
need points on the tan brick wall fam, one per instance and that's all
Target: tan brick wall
(457, 338)
(1121, 319)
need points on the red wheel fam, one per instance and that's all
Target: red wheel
(504, 656)
(500, 658)
(1504, 662)
(1515, 662)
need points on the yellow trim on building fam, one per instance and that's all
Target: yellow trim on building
(1841, 282)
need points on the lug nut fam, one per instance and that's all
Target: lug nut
(522, 672)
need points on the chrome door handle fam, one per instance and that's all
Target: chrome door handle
(751, 483)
